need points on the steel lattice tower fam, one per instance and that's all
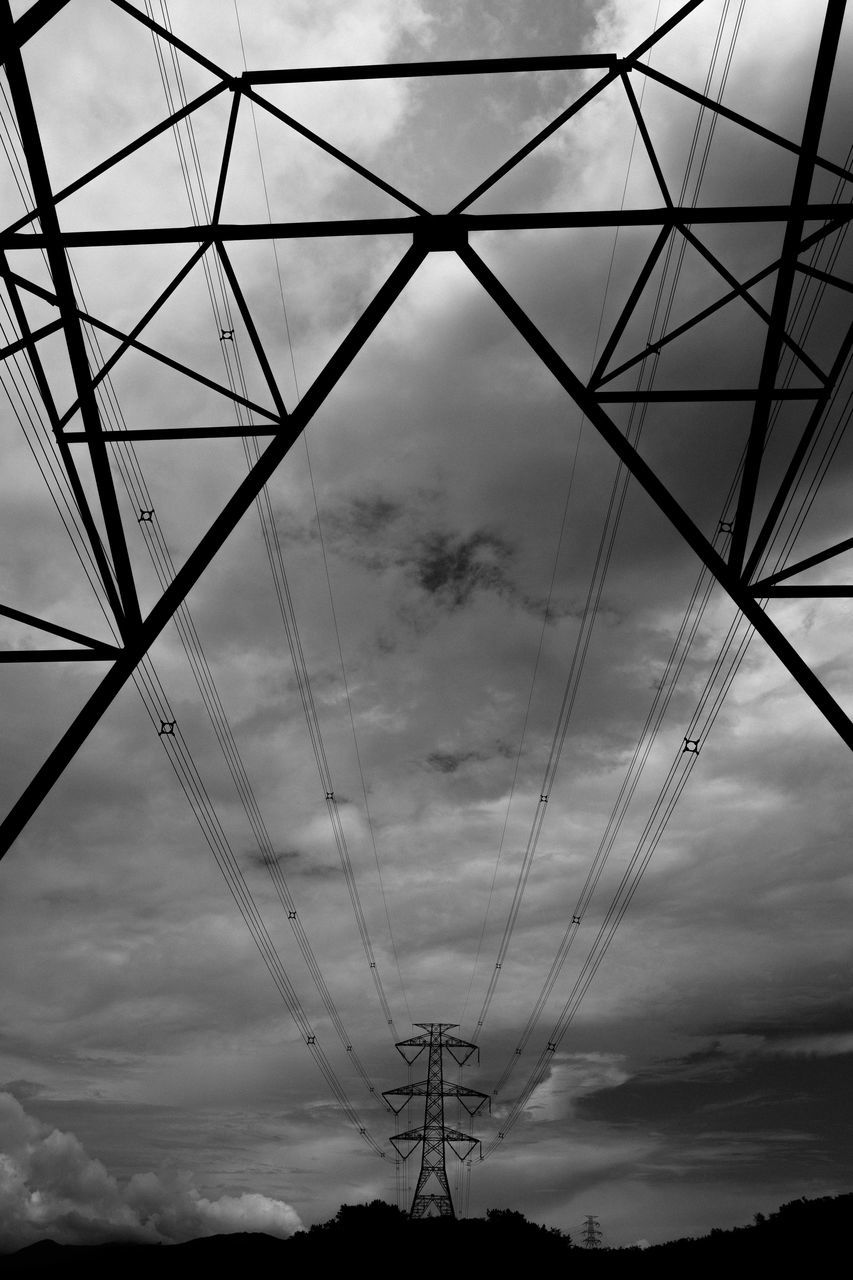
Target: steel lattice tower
(733, 553)
(432, 1193)
(591, 1232)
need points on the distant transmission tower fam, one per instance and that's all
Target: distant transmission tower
(591, 1232)
(432, 1193)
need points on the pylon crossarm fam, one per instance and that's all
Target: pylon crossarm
(414, 1137)
(455, 1140)
(413, 1047)
(405, 1092)
(461, 1093)
(460, 1050)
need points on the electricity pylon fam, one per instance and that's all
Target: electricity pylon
(432, 1193)
(591, 1232)
(735, 553)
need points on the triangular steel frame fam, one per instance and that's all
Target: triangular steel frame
(737, 572)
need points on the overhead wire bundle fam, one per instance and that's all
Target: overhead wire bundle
(672, 264)
(717, 685)
(226, 322)
(29, 408)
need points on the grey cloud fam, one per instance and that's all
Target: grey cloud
(22, 1090)
(449, 761)
(295, 863)
(53, 1188)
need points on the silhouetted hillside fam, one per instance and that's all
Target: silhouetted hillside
(504, 1238)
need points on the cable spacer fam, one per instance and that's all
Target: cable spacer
(691, 746)
(330, 795)
(552, 1048)
(727, 526)
(576, 919)
(310, 1039)
(291, 915)
(167, 728)
(543, 799)
(226, 335)
(146, 515)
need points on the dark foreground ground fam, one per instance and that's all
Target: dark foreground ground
(801, 1233)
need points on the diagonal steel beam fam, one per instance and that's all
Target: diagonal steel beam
(768, 528)
(699, 316)
(815, 111)
(630, 305)
(536, 141)
(662, 497)
(104, 568)
(128, 342)
(29, 341)
(194, 566)
(825, 276)
(743, 293)
(226, 155)
(758, 588)
(130, 617)
(177, 366)
(646, 137)
(130, 339)
(333, 151)
(124, 152)
(52, 628)
(251, 329)
(573, 109)
(737, 118)
(171, 38)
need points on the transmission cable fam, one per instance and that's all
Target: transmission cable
(152, 690)
(272, 544)
(717, 686)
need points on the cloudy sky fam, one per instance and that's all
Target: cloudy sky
(443, 527)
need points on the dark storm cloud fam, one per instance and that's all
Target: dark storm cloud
(294, 863)
(449, 761)
(450, 567)
(23, 1090)
(441, 473)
